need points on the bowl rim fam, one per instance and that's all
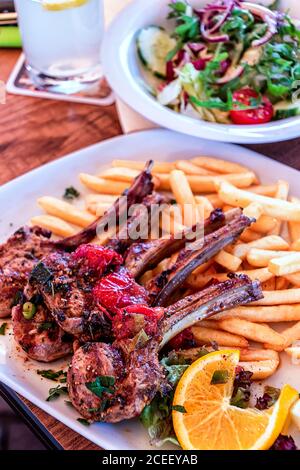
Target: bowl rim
(117, 41)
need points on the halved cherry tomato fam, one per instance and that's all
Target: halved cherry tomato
(260, 115)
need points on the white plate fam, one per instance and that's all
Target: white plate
(18, 205)
(127, 78)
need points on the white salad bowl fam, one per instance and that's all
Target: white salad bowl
(129, 80)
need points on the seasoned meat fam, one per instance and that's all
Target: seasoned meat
(129, 369)
(40, 337)
(17, 258)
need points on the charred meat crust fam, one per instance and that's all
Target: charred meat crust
(140, 222)
(17, 258)
(141, 187)
(194, 256)
(143, 256)
(41, 338)
(137, 373)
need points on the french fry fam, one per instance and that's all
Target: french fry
(169, 223)
(293, 351)
(296, 245)
(282, 193)
(219, 166)
(282, 210)
(91, 201)
(252, 331)
(207, 335)
(269, 285)
(119, 174)
(293, 279)
(214, 200)
(254, 210)
(288, 264)
(57, 226)
(162, 266)
(198, 281)
(159, 167)
(264, 224)
(204, 206)
(102, 208)
(207, 184)
(65, 211)
(264, 190)
(228, 261)
(146, 278)
(190, 168)
(272, 314)
(184, 197)
(290, 335)
(262, 369)
(279, 297)
(261, 258)
(272, 242)
(294, 227)
(281, 283)
(102, 185)
(257, 355)
(249, 236)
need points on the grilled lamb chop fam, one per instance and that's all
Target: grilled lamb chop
(115, 382)
(139, 225)
(17, 258)
(147, 255)
(140, 188)
(164, 285)
(40, 337)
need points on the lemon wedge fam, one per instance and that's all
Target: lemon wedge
(210, 422)
(56, 5)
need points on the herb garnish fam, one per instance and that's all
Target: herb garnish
(71, 193)
(3, 329)
(83, 421)
(56, 392)
(46, 326)
(220, 377)
(179, 408)
(40, 274)
(102, 384)
(56, 376)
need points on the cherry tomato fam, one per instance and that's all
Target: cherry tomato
(260, 115)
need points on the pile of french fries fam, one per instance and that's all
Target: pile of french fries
(269, 251)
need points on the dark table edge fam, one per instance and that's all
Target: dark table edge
(29, 418)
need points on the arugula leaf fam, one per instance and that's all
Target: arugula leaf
(102, 384)
(3, 329)
(56, 392)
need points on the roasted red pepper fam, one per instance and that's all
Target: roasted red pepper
(118, 290)
(96, 258)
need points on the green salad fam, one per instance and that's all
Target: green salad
(229, 62)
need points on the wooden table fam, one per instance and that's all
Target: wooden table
(34, 132)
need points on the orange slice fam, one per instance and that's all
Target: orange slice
(210, 422)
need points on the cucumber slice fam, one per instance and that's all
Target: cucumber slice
(154, 44)
(286, 109)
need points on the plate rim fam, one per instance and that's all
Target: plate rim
(10, 381)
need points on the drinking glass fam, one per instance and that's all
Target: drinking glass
(62, 42)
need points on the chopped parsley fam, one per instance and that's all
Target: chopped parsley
(102, 384)
(220, 377)
(179, 408)
(46, 326)
(3, 329)
(71, 193)
(56, 376)
(56, 392)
